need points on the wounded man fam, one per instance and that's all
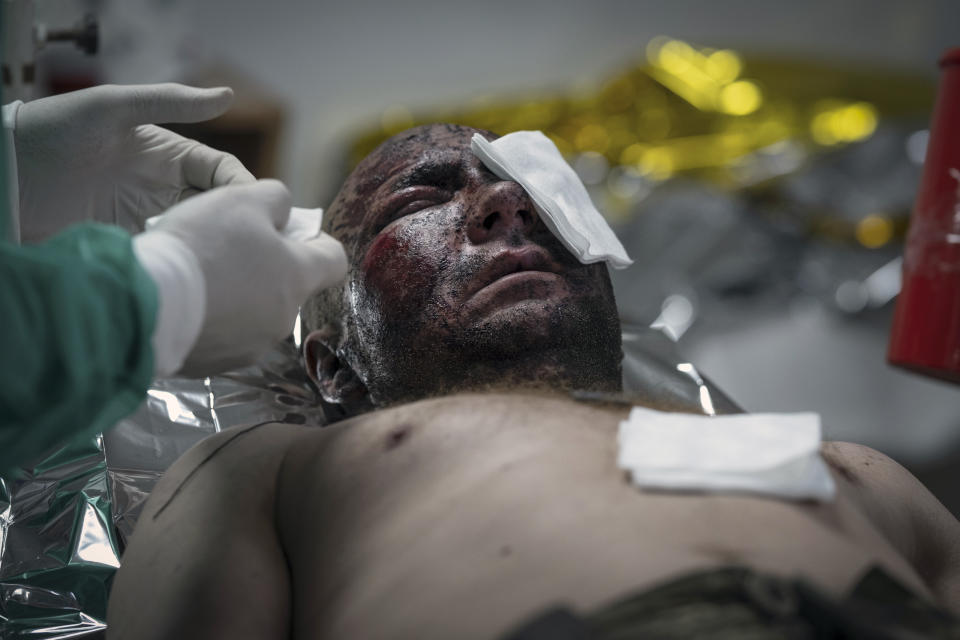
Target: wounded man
(463, 489)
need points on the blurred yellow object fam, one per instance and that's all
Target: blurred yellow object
(657, 163)
(834, 124)
(740, 98)
(592, 137)
(874, 231)
(700, 112)
(724, 66)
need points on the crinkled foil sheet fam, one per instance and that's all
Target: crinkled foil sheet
(65, 519)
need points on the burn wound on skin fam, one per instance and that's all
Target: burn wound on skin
(381, 253)
(390, 268)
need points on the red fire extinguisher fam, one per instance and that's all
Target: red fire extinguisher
(926, 326)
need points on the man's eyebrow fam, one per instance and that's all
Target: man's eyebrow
(439, 173)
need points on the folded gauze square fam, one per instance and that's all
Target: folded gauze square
(303, 224)
(776, 454)
(531, 159)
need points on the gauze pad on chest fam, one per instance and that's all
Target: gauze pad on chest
(776, 454)
(532, 160)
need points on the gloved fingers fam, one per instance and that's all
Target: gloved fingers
(322, 262)
(205, 168)
(274, 197)
(167, 102)
(187, 193)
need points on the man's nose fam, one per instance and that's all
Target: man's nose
(505, 208)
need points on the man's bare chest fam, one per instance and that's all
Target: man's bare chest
(523, 498)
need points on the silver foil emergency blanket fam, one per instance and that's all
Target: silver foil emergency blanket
(65, 518)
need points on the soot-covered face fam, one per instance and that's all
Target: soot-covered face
(456, 283)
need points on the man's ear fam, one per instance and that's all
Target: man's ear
(340, 387)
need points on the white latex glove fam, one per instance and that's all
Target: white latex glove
(93, 155)
(253, 279)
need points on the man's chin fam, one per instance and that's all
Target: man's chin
(526, 326)
(567, 343)
(523, 292)
(529, 317)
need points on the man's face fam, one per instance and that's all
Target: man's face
(454, 276)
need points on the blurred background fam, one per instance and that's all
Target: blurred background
(758, 159)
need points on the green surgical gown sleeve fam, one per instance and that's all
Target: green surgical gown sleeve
(76, 317)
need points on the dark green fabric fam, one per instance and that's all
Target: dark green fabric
(729, 604)
(4, 176)
(78, 312)
(76, 317)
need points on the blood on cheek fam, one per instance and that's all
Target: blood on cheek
(393, 268)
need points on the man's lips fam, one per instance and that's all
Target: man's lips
(514, 267)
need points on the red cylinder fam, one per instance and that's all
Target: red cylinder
(926, 325)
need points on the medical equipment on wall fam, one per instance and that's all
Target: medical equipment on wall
(926, 329)
(23, 37)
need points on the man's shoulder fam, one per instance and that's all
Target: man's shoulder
(241, 444)
(875, 480)
(206, 537)
(245, 457)
(864, 466)
(904, 511)
(265, 437)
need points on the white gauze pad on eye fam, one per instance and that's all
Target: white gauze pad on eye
(776, 454)
(532, 160)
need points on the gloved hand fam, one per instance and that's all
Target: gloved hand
(254, 278)
(93, 155)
